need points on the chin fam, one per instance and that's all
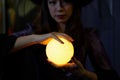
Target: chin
(61, 21)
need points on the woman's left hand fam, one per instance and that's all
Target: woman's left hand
(81, 71)
(74, 67)
(77, 69)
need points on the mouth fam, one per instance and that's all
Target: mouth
(60, 16)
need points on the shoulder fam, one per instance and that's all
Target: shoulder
(90, 31)
(92, 37)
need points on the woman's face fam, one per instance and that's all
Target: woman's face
(60, 10)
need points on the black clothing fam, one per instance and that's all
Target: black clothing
(6, 44)
(30, 63)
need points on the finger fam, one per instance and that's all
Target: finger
(77, 62)
(57, 38)
(70, 65)
(67, 37)
(51, 63)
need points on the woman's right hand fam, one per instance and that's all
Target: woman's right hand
(45, 38)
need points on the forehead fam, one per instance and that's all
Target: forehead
(61, 0)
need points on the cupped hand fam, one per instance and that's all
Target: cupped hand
(61, 66)
(75, 67)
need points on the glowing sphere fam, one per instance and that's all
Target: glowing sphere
(58, 53)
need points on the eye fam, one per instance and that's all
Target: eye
(52, 2)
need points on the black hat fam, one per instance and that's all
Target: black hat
(83, 2)
(78, 2)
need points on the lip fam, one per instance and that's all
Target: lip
(60, 16)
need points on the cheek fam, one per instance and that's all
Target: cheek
(51, 11)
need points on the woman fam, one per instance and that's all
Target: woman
(60, 18)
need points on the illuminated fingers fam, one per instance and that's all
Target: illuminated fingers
(56, 36)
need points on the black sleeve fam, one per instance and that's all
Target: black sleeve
(6, 44)
(99, 58)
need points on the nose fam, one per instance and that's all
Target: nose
(59, 6)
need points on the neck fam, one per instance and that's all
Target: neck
(61, 27)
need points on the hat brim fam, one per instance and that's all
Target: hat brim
(84, 3)
(80, 3)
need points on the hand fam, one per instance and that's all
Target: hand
(84, 72)
(61, 66)
(74, 67)
(53, 35)
(77, 69)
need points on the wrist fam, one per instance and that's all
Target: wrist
(89, 74)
